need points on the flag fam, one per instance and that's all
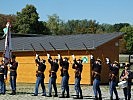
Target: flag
(7, 52)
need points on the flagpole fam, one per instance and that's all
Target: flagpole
(7, 51)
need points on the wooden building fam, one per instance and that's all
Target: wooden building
(98, 45)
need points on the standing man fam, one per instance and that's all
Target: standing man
(2, 83)
(126, 76)
(114, 71)
(52, 74)
(40, 75)
(77, 65)
(96, 76)
(13, 74)
(65, 76)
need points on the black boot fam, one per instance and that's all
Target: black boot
(77, 97)
(96, 98)
(81, 97)
(67, 96)
(13, 92)
(62, 96)
(49, 95)
(117, 98)
(100, 98)
(55, 95)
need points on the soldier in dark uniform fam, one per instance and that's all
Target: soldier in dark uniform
(77, 65)
(13, 74)
(2, 84)
(114, 71)
(40, 75)
(65, 76)
(126, 76)
(96, 76)
(52, 74)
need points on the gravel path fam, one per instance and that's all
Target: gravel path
(24, 92)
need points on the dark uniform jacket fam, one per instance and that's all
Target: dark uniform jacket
(54, 68)
(1, 72)
(41, 69)
(65, 67)
(114, 71)
(96, 70)
(13, 68)
(129, 79)
(78, 69)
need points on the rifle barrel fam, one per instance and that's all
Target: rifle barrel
(52, 46)
(43, 48)
(33, 47)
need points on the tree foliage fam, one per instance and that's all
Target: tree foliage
(128, 37)
(27, 21)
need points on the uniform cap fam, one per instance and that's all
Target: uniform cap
(43, 61)
(98, 59)
(116, 62)
(79, 60)
(66, 58)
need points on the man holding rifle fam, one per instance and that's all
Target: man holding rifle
(40, 75)
(65, 76)
(52, 74)
(96, 76)
(114, 71)
(77, 65)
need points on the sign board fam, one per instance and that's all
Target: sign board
(85, 59)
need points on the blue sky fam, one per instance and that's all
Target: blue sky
(103, 11)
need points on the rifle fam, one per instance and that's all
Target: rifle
(43, 48)
(85, 47)
(33, 48)
(67, 48)
(53, 47)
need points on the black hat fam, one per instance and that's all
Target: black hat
(13, 56)
(56, 60)
(66, 58)
(43, 61)
(80, 60)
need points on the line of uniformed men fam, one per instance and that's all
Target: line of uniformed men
(77, 65)
(96, 75)
(63, 62)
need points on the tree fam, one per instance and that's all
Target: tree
(118, 26)
(92, 26)
(128, 37)
(106, 28)
(53, 24)
(27, 20)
